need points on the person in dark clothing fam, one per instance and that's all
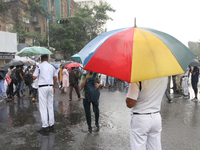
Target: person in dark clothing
(194, 81)
(9, 92)
(73, 82)
(19, 78)
(28, 80)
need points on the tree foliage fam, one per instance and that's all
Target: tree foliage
(86, 25)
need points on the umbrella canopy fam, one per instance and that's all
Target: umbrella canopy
(32, 51)
(15, 63)
(74, 64)
(136, 54)
(76, 57)
(3, 71)
(26, 60)
(194, 62)
(57, 65)
(65, 63)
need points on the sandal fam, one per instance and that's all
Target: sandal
(34, 100)
(8, 100)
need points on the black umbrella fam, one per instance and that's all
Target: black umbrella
(194, 62)
(15, 63)
(3, 71)
(65, 63)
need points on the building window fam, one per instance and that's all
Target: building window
(38, 30)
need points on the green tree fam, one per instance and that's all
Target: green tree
(86, 25)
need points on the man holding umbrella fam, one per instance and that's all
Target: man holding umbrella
(144, 98)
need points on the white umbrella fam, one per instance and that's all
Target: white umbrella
(25, 60)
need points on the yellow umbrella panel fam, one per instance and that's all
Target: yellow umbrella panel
(152, 58)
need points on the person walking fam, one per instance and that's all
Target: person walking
(19, 79)
(34, 87)
(73, 82)
(194, 81)
(61, 79)
(65, 79)
(28, 79)
(87, 104)
(22, 81)
(103, 80)
(144, 98)
(184, 83)
(111, 81)
(46, 75)
(10, 86)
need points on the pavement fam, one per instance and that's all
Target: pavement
(20, 119)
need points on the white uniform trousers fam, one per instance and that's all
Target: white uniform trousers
(103, 81)
(185, 86)
(46, 105)
(145, 132)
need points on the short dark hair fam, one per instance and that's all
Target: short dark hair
(44, 57)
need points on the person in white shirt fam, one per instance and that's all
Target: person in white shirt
(103, 80)
(46, 75)
(184, 83)
(144, 99)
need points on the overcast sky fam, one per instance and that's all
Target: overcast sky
(179, 18)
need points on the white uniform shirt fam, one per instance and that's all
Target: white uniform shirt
(150, 97)
(186, 72)
(45, 73)
(103, 76)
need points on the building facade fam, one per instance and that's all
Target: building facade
(29, 17)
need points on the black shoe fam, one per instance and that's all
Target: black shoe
(170, 101)
(96, 129)
(51, 128)
(43, 129)
(90, 129)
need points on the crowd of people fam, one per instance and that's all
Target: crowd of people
(140, 94)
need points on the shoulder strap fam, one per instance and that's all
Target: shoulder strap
(94, 75)
(140, 85)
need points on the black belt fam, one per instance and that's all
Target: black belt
(45, 85)
(145, 113)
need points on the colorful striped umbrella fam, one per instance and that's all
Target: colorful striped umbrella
(136, 54)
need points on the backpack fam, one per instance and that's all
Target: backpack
(28, 79)
(13, 76)
(91, 93)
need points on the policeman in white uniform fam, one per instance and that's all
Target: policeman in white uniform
(46, 75)
(145, 101)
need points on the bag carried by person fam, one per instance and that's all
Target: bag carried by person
(91, 93)
(8, 79)
(28, 79)
(13, 77)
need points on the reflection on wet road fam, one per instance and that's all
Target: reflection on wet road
(20, 119)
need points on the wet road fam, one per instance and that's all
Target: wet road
(20, 119)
